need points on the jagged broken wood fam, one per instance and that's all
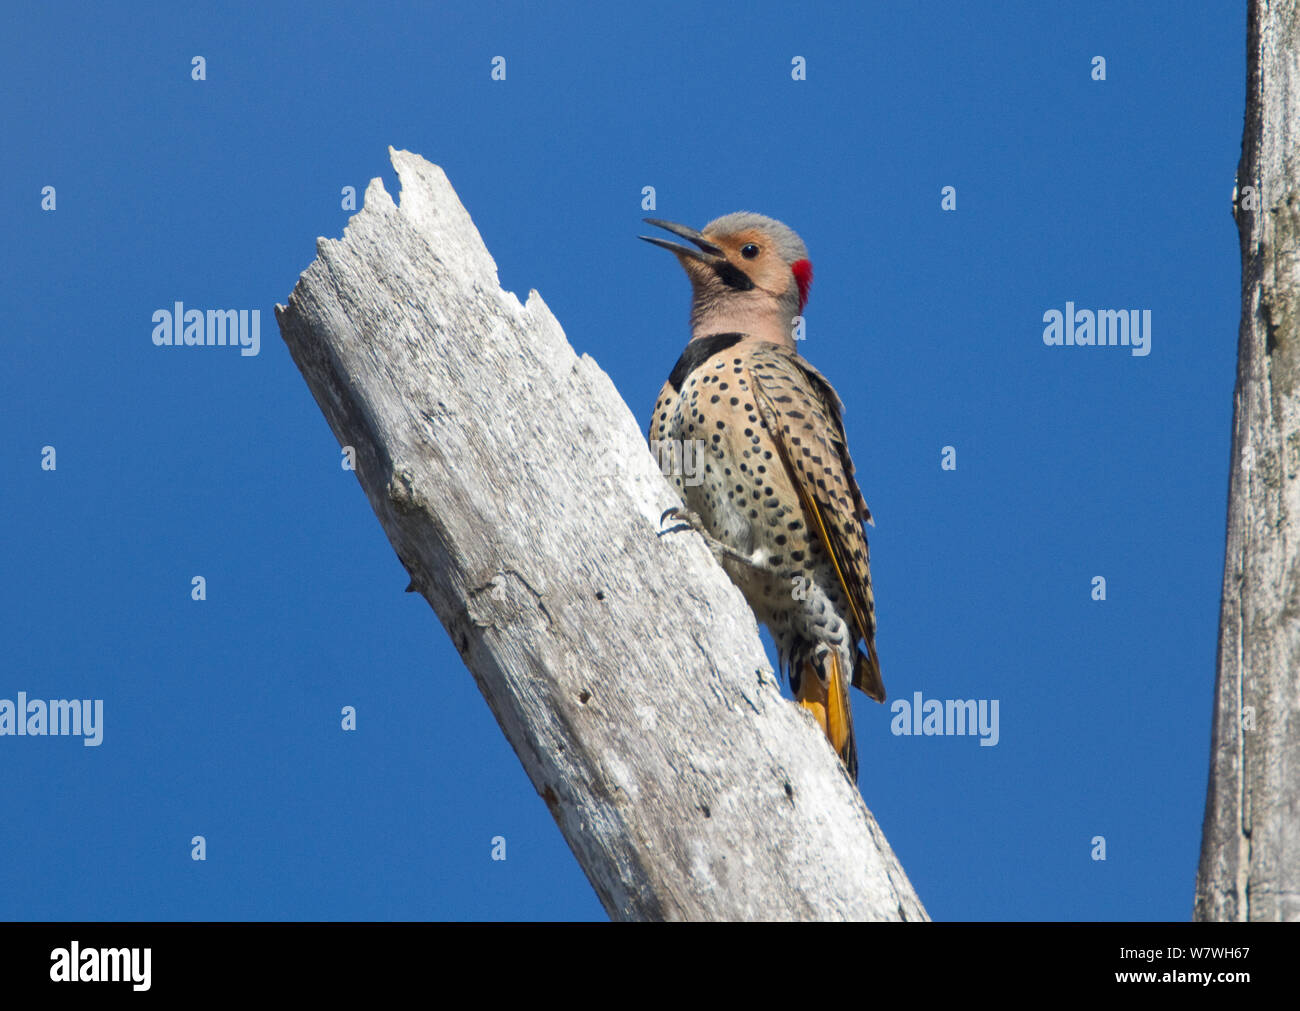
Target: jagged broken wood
(623, 667)
(1250, 843)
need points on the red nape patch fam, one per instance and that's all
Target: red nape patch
(803, 278)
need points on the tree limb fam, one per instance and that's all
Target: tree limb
(623, 667)
(1250, 845)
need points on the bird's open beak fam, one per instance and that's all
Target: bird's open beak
(707, 252)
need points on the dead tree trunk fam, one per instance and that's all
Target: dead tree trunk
(624, 668)
(1250, 846)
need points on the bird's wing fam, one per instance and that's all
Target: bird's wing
(805, 418)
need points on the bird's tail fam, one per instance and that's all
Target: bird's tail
(822, 687)
(866, 673)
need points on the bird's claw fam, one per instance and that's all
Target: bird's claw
(685, 521)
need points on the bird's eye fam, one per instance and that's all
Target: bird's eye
(749, 251)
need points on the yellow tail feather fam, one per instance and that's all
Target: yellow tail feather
(829, 703)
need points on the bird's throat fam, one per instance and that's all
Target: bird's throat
(758, 321)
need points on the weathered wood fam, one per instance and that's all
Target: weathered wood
(624, 667)
(1250, 846)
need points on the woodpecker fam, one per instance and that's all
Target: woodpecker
(773, 490)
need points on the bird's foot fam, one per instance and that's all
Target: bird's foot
(688, 520)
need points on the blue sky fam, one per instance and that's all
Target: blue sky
(221, 717)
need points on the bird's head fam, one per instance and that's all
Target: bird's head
(744, 267)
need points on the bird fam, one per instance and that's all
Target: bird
(773, 489)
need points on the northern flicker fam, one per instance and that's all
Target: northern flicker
(768, 481)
